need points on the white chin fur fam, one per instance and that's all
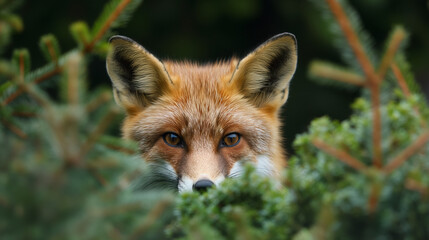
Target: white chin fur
(185, 184)
(263, 165)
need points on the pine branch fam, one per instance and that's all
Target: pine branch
(14, 129)
(407, 152)
(119, 12)
(397, 37)
(150, 218)
(112, 17)
(406, 91)
(40, 79)
(401, 80)
(417, 186)
(98, 131)
(98, 101)
(331, 71)
(372, 78)
(353, 40)
(374, 196)
(339, 154)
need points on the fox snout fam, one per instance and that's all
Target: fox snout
(197, 124)
(202, 185)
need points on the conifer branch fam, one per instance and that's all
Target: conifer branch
(325, 70)
(339, 154)
(14, 129)
(405, 90)
(38, 80)
(401, 80)
(98, 101)
(353, 40)
(150, 218)
(407, 152)
(98, 131)
(373, 79)
(51, 50)
(376, 125)
(115, 14)
(374, 196)
(73, 78)
(412, 184)
(395, 41)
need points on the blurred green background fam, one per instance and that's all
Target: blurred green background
(210, 30)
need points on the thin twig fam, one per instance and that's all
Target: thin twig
(38, 80)
(151, 218)
(98, 101)
(72, 66)
(407, 152)
(101, 127)
(374, 195)
(98, 176)
(107, 24)
(416, 186)
(339, 154)
(353, 40)
(14, 129)
(406, 91)
(52, 51)
(393, 46)
(325, 70)
(401, 80)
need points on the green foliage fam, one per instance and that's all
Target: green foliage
(248, 207)
(348, 191)
(63, 176)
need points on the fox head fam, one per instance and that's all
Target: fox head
(199, 123)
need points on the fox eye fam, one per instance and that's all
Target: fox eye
(172, 139)
(230, 140)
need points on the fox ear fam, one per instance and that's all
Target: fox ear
(263, 76)
(138, 77)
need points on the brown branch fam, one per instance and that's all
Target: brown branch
(374, 196)
(120, 148)
(24, 114)
(107, 24)
(52, 51)
(373, 79)
(412, 184)
(406, 91)
(339, 154)
(101, 127)
(325, 70)
(99, 100)
(407, 152)
(401, 80)
(353, 40)
(98, 176)
(376, 125)
(393, 46)
(14, 129)
(38, 80)
(73, 78)
(151, 218)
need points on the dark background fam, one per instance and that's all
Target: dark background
(209, 30)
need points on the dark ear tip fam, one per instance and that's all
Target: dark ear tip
(119, 37)
(283, 35)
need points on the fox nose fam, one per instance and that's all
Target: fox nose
(202, 185)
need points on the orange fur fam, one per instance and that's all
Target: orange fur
(202, 104)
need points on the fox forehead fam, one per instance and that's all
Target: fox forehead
(201, 106)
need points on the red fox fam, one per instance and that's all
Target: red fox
(200, 123)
